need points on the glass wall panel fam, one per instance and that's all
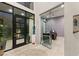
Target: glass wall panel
(19, 12)
(6, 23)
(30, 24)
(4, 7)
(27, 4)
(27, 30)
(7, 29)
(45, 36)
(29, 15)
(19, 30)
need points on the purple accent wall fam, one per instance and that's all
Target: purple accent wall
(57, 24)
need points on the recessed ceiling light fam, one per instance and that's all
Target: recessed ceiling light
(10, 10)
(62, 6)
(53, 30)
(22, 14)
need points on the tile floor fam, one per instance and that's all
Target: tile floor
(39, 50)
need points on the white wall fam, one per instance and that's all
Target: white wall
(40, 7)
(71, 42)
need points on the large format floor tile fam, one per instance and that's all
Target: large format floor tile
(39, 50)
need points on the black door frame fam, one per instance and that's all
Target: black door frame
(14, 31)
(26, 16)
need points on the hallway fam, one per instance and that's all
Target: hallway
(39, 50)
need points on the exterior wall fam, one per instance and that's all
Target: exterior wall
(71, 43)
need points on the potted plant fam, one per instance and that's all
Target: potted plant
(2, 41)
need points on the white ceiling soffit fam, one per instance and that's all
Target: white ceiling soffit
(41, 7)
(54, 4)
(20, 6)
(54, 12)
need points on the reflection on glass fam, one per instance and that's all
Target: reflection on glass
(46, 39)
(19, 25)
(18, 36)
(7, 29)
(30, 15)
(19, 41)
(10, 10)
(4, 7)
(19, 20)
(19, 12)
(19, 30)
(27, 4)
(1, 29)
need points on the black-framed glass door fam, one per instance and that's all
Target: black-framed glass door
(19, 31)
(10, 16)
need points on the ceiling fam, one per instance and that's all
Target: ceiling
(40, 7)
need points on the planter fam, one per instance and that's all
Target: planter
(1, 52)
(2, 47)
(2, 44)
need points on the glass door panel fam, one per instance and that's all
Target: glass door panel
(46, 39)
(19, 31)
(19, 41)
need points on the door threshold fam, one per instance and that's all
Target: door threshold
(15, 48)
